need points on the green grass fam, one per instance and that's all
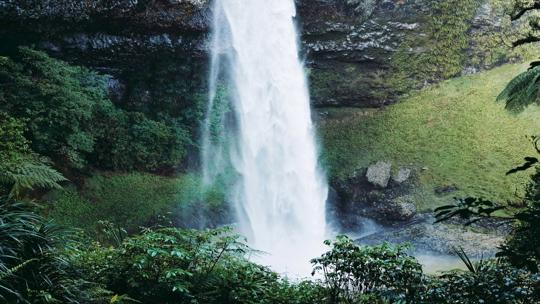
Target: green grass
(130, 200)
(454, 133)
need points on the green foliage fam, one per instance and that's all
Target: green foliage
(472, 209)
(188, 266)
(128, 141)
(454, 130)
(20, 169)
(353, 273)
(522, 91)
(439, 55)
(491, 282)
(134, 200)
(70, 118)
(57, 100)
(31, 269)
(522, 249)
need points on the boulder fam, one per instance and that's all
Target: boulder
(369, 194)
(398, 209)
(379, 174)
(402, 175)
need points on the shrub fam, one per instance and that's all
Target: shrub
(522, 248)
(129, 140)
(189, 266)
(70, 119)
(353, 274)
(490, 282)
(20, 168)
(31, 268)
(57, 100)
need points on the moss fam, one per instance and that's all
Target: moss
(441, 53)
(455, 131)
(351, 84)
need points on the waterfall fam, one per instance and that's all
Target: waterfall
(259, 134)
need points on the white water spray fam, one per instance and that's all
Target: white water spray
(267, 141)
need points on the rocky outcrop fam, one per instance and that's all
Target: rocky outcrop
(348, 44)
(480, 241)
(372, 193)
(155, 50)
(111, 35)
(351, 45)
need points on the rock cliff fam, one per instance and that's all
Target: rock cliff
(349, 45)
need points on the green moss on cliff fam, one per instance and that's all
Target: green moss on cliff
(441, 53)
(454, 131)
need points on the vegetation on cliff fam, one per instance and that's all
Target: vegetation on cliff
(452, 133)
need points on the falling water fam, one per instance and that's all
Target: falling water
(267, 138)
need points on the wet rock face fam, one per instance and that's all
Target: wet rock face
(372, 193)
(338, 30)
(349, 45)
(155, 50)
(480, 241)
(108, 35)
(157, 15)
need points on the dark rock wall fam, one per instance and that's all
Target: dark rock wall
(348, 44)
(351, 45)
(156, 50)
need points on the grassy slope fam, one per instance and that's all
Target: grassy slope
(454, 130)
(131, 200)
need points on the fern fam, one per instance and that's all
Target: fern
(522, 91)
(28, 174)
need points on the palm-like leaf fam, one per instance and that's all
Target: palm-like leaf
(523, 90)
(27, 174)
(31, 271)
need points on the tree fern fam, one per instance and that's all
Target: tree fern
(523, 90)
(28, 174)
(20, 168)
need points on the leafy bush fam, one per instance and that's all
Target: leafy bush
(129, 140)
(20, 169)
(57, 100)
(70, 118)
(522, 248)
(354, 274)
(188, 266)
(31, 269)
(490, 282)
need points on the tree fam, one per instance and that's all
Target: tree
(20, 168)
(524, 10)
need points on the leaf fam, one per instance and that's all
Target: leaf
(529, 162)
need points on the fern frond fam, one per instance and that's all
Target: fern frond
(28, 175)
(522, 91)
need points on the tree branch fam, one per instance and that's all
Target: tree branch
(524, 10)
(528, 39)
